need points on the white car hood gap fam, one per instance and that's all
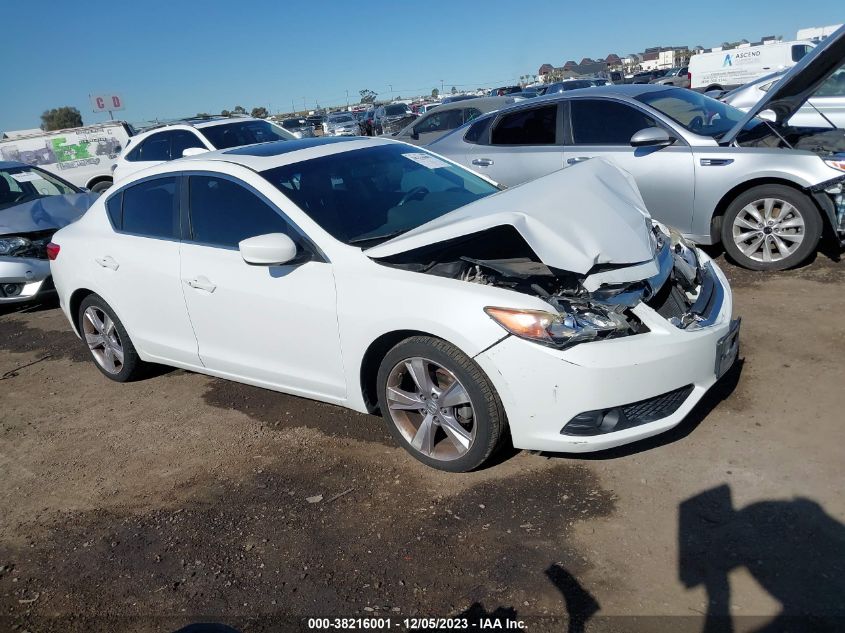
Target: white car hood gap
(574, 219)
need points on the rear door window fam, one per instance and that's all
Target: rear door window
(153, 148)
(534, 126)
(151, 208)
(182, 140)
(604, 122)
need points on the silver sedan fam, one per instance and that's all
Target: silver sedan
(713, 172)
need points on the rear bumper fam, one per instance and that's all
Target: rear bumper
(29, 275)
(543, 389)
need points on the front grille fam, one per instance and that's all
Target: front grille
(670, 301)
(655, 408)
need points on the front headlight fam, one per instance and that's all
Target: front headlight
(10, 246)
(836, 164)
(583, 323)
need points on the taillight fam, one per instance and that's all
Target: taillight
(689, 77)
(53, 251)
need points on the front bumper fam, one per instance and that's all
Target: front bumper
(29, 275)
(542, 388)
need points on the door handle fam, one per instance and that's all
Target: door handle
(483, 162)
(201, 283)
(107, 262)
(576, 159)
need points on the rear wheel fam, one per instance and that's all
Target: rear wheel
(100, 187)
(107, 340)
(439, 405)
(771, 227)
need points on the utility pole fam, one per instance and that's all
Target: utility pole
(441, 86)
(347, 100)
(292, 107)
(304, 107)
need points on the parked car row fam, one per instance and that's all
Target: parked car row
(764, 188)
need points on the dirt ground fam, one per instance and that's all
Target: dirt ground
(183, 498)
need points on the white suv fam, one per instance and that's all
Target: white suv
(193, 136)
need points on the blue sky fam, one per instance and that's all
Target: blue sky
(177, 58)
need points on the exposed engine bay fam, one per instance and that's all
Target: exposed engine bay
(501, 257)
(822, 141)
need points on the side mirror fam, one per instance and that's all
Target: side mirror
(768, 115)
(652, 137)
(268, 250)
(193, 151)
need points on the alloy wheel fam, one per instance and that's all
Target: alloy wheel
(768, 230)
(431, 408)
(103, 339)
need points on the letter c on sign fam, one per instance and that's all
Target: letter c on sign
(100, 103)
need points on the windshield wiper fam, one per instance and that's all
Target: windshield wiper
(384, 237)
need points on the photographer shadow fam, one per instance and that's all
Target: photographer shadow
(793, 549)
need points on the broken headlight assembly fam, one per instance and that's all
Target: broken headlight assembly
(575, 323)
(11, 246)
(16, 246)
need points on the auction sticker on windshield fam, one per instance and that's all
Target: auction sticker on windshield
(426, 160)
(27, 176)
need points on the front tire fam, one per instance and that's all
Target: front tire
(107, 340)
(771, 227)
(439, 405)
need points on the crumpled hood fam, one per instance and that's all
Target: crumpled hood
(43, 214)
(575, 218)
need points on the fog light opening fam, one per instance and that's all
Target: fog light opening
(11, 290)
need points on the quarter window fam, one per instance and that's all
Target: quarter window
(151, 208)
(223, 213)
(527, 127)
(601, 122)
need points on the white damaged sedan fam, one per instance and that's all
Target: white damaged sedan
(375, 275)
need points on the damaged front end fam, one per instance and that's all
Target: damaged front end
(597, 305)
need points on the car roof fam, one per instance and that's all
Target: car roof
(7, 164)
(263, 156)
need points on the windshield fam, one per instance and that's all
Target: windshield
(367, 196)
(697, 113)
(23, 184)
(292, 124)
(392, 110)
(343, 118)
(244, 133)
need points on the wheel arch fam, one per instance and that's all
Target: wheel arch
(730, 196)
(97, 180)
(370, 362)
(75, 301)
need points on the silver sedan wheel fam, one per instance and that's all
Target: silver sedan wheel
(431, 408)
(768, 230)
(102, 339)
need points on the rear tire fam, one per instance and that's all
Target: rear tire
(101, 186)
(771, 227)
(428, 379)
(107, 340)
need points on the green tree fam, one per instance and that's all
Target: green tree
(454, 90)
(259, 112)
(367, 95)
(203, 115)
(239, 110)
(435, 93)
(60, 118)
(225, 113)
